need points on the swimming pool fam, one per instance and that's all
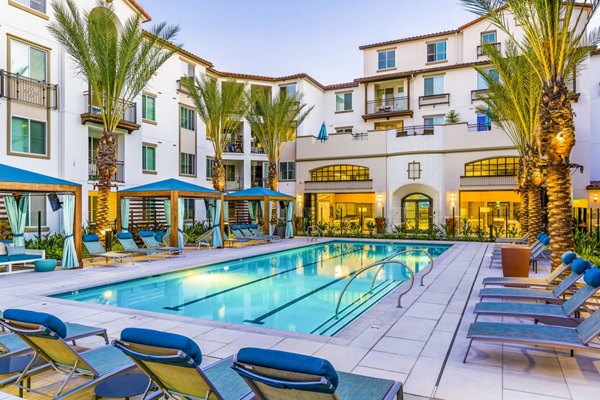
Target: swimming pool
(295, 290)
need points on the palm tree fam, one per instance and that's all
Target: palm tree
(274, 122)
(555, 52)
(513, 102)
(117, 62)
(221, 106)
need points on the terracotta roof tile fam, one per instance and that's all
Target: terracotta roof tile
(341, 86)
(140, 9)
(405, 74)
(408, 39)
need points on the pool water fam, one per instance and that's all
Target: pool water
(295, 290)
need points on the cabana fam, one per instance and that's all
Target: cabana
(17, 185)
(265, 197)
(173, 191)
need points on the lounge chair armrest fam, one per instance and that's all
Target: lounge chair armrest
(321, 384)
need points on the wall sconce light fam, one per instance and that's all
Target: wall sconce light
(452, 198)
(299, 198)
(596, 197)
(379, 199)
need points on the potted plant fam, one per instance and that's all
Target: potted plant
(380, 224)
(280, 228)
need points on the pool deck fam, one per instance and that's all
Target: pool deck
(421, 344)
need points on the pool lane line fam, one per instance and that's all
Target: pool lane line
(180, 306)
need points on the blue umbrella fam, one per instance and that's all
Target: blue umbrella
(322, 136)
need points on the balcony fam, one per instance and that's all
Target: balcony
(480, 127)
(235, 146)
(338, 186)
(181, 88)
(487, 181)
(434, 100)
(416, 130)
(481, 48)
(479, 94)
(92, 114)
(26, 90)
(257, 150)
(388, 107)
(234, 185)
(119, 174)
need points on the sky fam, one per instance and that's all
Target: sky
(284, 37)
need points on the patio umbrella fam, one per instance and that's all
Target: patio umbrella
(322, 136)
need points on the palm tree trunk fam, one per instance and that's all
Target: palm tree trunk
(524, 217)
(106, 163)
(218, 175)
(273, 182)
(557, 141)
(535, 212)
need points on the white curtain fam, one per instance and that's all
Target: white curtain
(17, 216)
(289, 228)
(69, 259)
(217, 240)
(251, 212)
(124, 215)
(180, 210)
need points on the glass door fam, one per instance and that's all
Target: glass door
(417, 212)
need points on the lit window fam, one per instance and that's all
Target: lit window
(386, 59)
(149, 158)
(187, 164)
(28, 136)
(287, 171)
(187, 118)
(434, 85)
(334, 173)
(343, 102)
(414, 170)
(436, 51)
(148, 107)
(500, 166)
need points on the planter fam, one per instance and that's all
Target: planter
(379, 225)
(515, 261)
(280, 231)
(47, 265)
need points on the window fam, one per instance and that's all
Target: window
(434, 85)
(37, 212)
(287, 171)
(187, 118)
(28, 61)
(343, 102)
(37, 5)
(500, 166)
(289, 90)
(434, 120)
(188, 69)
(28, 136)
(389, 125)
(93, 144)
(482, 84)
(148, 107)
(336, 173)
(148, 158)
(484, 123)
(189, 209)
(436, 51)
(414, 170)
(344, 129)
(488, 37)
(209, 168)
(187, 164)
(386, 59)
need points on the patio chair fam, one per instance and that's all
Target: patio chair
(47, 336)
(551, 314)
(255, 231)
(151, 243)
(205, 239)
(521, 240)
(94, 247)
(567, 259)
(239, 236)
(166, 238)
(578, 268)
(538, 335)
(126, 240)
(173, 363)
(274, 375)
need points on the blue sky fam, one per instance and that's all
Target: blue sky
(283, 37)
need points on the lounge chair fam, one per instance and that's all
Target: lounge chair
(166, 238)
(578, 268)
(173, 363)
(551, 314)
(538, 335)
(273, 374)
(239, 236)
(94, 247)
(47, 336)
(255, 231)
(205, 239)
(567, 259)
(126, 240)
(151, 243)
(521, 240)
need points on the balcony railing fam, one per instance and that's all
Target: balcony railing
(416, 130)
(92, 113)
(235, 146)
(434, 100)
(466, 181)
(257, 150)
(181, 88)
(480, 127)
(234, 185)
(20, 88)
(479, 94)
(119, 174)
(387, 105)
(481, 48)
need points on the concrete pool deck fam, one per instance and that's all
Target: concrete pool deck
(421, 344)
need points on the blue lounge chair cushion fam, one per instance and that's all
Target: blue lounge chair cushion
(91, 238)
(15, 250)
(568, 257)
(592, 277)
(31, 317)
(124, 235)
(579, 266)
(150, 337)
(545, 240)
(4, 259)
(291, 362)
(146, 233)
(24, 257)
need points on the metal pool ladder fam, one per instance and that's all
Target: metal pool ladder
(313, 232)
(389, 260)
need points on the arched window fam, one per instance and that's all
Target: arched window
(335, 173)
(497, 166)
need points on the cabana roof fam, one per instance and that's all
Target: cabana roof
(171, 185)
(258, 192)
(17, 176)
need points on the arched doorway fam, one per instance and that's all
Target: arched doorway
(417, 212)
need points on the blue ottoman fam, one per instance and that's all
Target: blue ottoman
(45, 265)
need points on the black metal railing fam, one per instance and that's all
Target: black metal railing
(234, 184)
(257, 150)
(119, 176)
(479, 94)
(387, 105)
(481, 48)
(31, 91)
(434, 100)
(417, 130)
(90, 107)
(235, 146)
(480, 127)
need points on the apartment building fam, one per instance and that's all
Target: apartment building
(389, 150)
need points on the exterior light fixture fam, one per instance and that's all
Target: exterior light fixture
(596, 197)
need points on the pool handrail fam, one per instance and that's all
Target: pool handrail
(425, 271)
